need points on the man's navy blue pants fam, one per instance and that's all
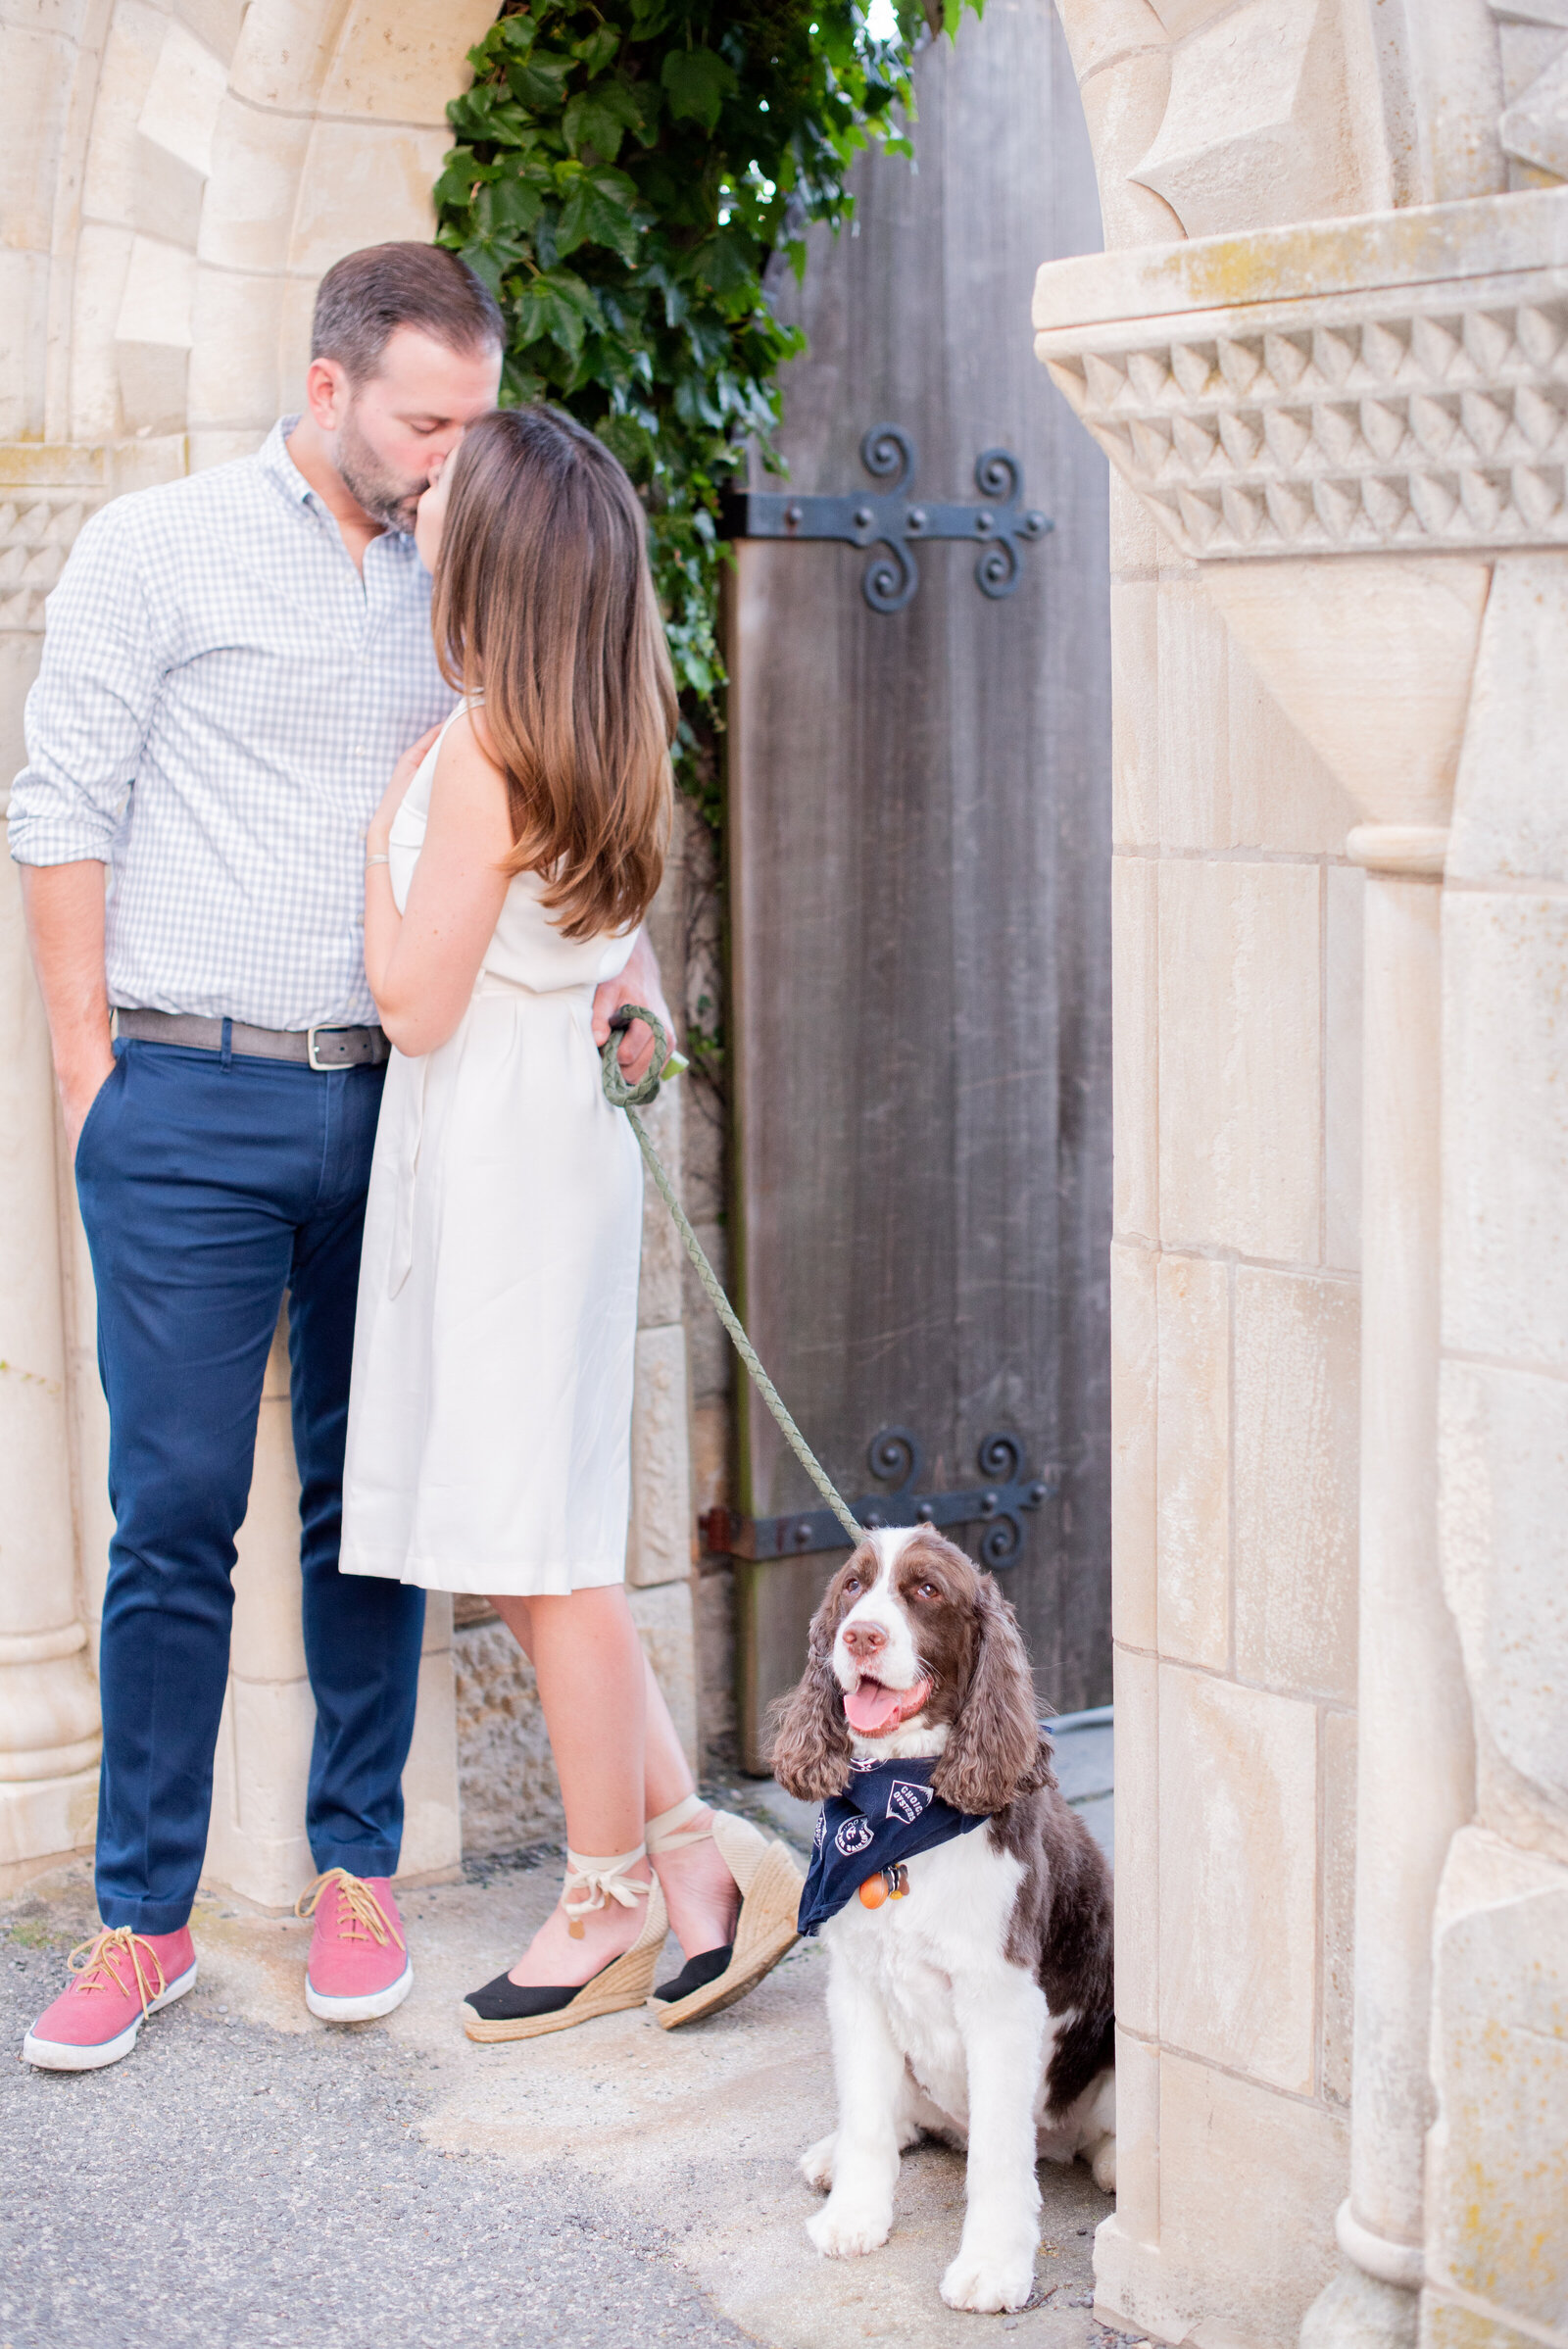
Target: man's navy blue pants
(208, 1185)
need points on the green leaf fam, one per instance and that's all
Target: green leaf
(725, 261)
(558, 307)
(597, 211)
(485, 115)
(538, 83)
(601, 117)
(511, 207)
(598, 49)
(698, 81)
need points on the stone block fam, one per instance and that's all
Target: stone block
(1192, 1460)
(267, 1641)
(1138, 1850)
(432, 1839)
(710, 1349)
(1238, 1880)
(1098, 36)
(1505, 1126)
(234, 365)
(33, 109)
(179, 111)
(1510, 818)
(713, 1618)
(660, 1545)
(1122, 111)
(111, 161)
(1339, 1903)
(25, 301)
(247, 220)
(282, 53)
(1231, 147)
(1249, 2182)
(103, 256)
(659, 1293)
(509, 1797)
(402, 60)
(364, 183)
(1503, 1519)
(1497, 2167)
(1134, 1448)
(1135, 1029)
(215, 23)
(1136, 542)
(1233, 771)
(1135, 713)
(1344, 939)
(665, 1625)
(1240, 1061)
(438, 1611)
(1137, 2137)
(710, 1455)
(1297, 1430)
(168, 197)
(256, 1842)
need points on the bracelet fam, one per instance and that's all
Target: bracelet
(369, 860)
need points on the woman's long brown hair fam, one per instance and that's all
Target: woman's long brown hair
(544, 603)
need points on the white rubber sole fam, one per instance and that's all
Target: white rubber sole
(54, 2055)
(358, 2010)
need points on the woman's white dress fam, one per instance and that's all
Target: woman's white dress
(490, 1412)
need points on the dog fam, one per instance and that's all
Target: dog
(978, 2008)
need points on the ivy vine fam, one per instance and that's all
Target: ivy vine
(628, 176)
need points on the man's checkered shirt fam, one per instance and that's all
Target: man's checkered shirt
(221, 702)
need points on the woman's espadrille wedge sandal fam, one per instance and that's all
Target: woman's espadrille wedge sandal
(509, 2010)
(770, 1883)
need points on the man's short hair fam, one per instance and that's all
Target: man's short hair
(365, 297)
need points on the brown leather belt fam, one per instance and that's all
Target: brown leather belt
(318, 1048)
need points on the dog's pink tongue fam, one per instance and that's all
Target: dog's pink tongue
(870, 1708)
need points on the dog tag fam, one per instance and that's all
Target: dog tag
(899, 1888)
(873, 1892)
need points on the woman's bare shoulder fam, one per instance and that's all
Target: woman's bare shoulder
(468, 782)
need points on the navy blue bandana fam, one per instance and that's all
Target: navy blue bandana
(886, 1814)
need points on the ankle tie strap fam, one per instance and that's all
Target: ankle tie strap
(93, 1963)
(671, 1831)
(600, 1880)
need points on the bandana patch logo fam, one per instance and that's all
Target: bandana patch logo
(853, 1837)
(906, 1799)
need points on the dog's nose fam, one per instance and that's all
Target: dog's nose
(864, 1640)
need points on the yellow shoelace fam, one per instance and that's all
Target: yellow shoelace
(93, 1964)
(360, 1917)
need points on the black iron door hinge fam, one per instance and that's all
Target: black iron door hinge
(894, 518)
(998, 1504)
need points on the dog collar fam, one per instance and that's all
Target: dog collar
(887, 1814)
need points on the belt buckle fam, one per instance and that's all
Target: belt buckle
(323, 1067)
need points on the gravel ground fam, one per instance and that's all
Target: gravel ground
(232, 2185)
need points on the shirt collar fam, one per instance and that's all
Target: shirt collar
(279, 467)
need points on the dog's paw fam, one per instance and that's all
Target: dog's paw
(816, 2164)
(1102, 2165)
(991, 2278)
(847, 2229)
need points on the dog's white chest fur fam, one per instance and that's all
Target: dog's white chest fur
(909, 1954)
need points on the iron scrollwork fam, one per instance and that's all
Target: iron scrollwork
(895, 1459)
(894, 518)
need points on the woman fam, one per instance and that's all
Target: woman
(507, 870)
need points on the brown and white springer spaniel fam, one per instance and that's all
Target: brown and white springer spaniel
(979, 2008)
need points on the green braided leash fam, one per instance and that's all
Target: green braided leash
(630, 1098)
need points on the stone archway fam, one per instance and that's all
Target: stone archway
(176, 178)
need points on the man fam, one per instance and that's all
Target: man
(233, 665)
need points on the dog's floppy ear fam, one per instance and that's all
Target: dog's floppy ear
(811, 1745)
(994, 1745)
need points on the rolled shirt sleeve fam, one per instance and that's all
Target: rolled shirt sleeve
(91, 704)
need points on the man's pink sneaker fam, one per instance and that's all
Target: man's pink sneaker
(358, 1965)
(120, 1979)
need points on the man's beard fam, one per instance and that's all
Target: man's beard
(387, 498)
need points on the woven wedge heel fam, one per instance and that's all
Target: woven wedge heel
(624, 1983)
(770, 1885)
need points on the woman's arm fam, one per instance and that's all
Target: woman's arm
(423, 964)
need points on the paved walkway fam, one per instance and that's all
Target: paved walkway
(250, 2176)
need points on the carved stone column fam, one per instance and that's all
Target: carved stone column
(1383, 397)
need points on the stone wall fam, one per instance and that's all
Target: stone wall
(1340, 1056)
(177, 176)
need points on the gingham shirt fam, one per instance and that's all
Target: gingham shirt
(221, 702)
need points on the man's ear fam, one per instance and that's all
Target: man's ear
(329, 395)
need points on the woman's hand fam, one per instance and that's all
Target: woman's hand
(637, 983)
(392, 798)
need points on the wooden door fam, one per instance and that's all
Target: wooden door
(919, 888)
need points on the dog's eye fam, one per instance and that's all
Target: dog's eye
(852, 1585)
(927, 1590)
